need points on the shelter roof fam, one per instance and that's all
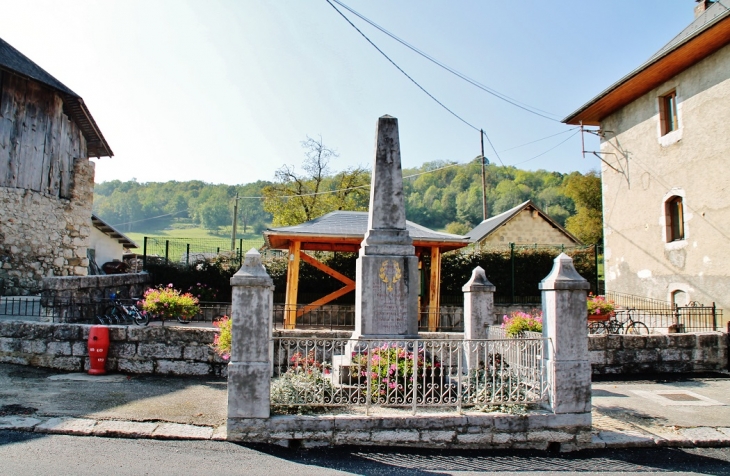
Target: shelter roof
(488, 226)
(112, 232)
(345, 230)
(709, 32)
(15, 62)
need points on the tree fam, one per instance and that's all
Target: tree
(585, 190)
(299, 197)
(250, 210)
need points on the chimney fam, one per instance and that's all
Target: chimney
(702, 5)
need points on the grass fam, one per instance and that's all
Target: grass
(197, 233)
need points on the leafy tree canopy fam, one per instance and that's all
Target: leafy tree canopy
(297, 197)
(439, 195)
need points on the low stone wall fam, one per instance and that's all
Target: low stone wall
(95, 288)
(670, 353)
(137, 350)
(537, 430)
(176, 350)
(80, 298)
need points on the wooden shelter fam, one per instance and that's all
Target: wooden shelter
(343, 231)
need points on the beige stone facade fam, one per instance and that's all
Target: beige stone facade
(691, 162)
(527, 228)
(524, 224)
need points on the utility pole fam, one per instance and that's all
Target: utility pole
(484, 178)
(235, 219)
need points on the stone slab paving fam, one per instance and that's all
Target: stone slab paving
(609, 432)
(178, 431)
(18, 423)
(704, 436)
(67, 426)
(125, 429)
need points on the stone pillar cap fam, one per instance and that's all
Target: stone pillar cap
(252, 272)
(564, 276)
(478, 282)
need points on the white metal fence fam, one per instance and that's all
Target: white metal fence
(407, 373)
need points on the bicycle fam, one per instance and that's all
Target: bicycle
(119, 313)
(614, 326)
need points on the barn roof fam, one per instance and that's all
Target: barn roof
(15, 62)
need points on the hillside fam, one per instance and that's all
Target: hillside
(438, 195)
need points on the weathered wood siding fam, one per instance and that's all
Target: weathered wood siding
(38, 142)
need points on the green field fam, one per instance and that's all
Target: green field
(250, 240)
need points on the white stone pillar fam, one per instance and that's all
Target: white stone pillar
(478, 314)
(478, 305)
(249, 370)
(565, 316)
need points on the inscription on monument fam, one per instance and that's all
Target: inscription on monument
(392, 313)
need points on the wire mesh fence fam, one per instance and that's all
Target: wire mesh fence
(189, 251)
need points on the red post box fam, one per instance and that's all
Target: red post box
(98, 345)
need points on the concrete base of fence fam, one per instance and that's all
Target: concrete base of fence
(473, 430)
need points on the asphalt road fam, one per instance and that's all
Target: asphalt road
(35, 454)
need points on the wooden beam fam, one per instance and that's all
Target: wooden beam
(292, 286)
(434, 290)
(325, 269)
(324, 300)
(349, 284)
(341, 247)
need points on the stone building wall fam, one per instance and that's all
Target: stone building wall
(649, 168)
(528, 227)
(44, 235)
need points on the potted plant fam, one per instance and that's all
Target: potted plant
(520, 322)
(600, 308)
(167, 302)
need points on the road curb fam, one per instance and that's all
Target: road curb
(111, 428)
(628, 436)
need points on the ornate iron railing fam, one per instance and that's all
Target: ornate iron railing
(342, 317)
(408, 374)
(661, 315)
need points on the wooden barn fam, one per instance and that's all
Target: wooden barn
(47, 135)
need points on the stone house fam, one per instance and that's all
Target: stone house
(107, 243)
(524, 224)
(665, 151)
(47, 135)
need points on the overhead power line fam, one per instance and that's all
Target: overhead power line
(487, 89)
(401, 69)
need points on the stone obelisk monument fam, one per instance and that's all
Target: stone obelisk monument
(386, 299)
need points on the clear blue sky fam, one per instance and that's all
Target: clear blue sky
(225, 91)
